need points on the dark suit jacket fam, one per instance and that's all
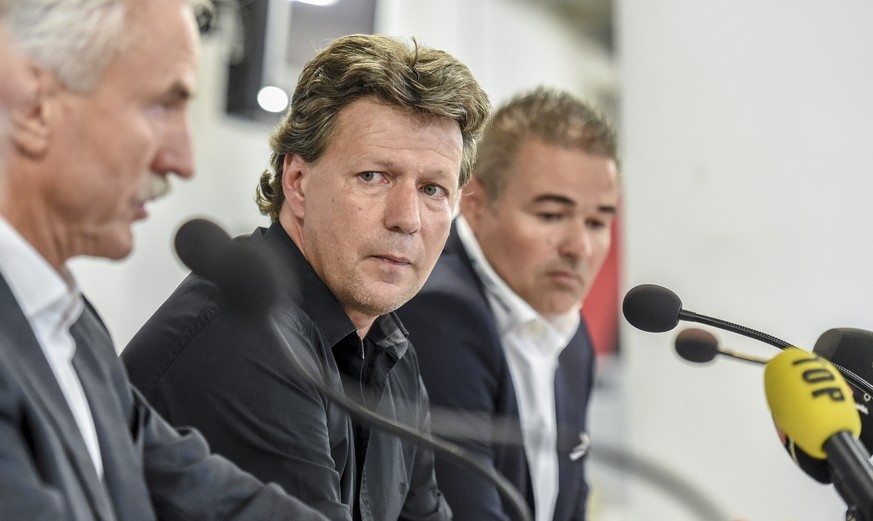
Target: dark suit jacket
(151, 470)
(464, 368)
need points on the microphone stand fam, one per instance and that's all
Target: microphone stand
(852, 475)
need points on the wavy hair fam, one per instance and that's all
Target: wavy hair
(428, 83)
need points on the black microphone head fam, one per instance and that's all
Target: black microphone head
(246, 276)
(852, 349)
(652, 308)
(200, 244)
(849, 347)
(696, 345)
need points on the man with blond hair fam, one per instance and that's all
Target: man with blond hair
(498, 327)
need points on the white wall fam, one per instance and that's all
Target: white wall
(745, 129)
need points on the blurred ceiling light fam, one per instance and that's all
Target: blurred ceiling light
(272, 99)
(320, 3)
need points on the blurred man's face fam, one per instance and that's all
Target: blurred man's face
(374, 212)
(11, 84)
(111, 150)
(548, 233)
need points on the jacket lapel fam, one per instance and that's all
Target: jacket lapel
(571, 396)
(511, 459)
(40, 384)
(122, 468)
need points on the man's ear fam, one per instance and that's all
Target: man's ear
(32, 118)
(295, 178)
(474, 202)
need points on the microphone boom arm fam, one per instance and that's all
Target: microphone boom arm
(690, 316)
(748, 332)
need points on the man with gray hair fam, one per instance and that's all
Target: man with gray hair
(100, 127)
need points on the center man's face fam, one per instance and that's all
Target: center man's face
(548, 233)
(377, 206)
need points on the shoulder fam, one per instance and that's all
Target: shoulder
(451, 313)
(452, 291)
(193, 306)
(453, 270)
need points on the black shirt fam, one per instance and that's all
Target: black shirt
(202, 366)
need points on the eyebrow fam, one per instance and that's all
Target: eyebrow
(389, 165)
(560, 199)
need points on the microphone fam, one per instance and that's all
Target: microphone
(808, 400)
(246, 277)
(853, 348)
(656, 309)
(700, 347)
(848, 347)
(241, 272)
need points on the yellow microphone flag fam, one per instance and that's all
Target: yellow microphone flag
(809, 399)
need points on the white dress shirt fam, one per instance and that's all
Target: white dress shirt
(52, 303)
(532, 344)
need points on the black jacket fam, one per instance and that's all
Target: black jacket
(203, 366)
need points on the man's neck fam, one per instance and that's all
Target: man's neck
(36, 233)
(362, 322)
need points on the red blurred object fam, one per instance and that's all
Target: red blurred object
(601, 306)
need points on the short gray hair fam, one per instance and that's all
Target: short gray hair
(74, 39)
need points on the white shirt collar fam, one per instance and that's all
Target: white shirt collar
(532, 345)
(42, 292)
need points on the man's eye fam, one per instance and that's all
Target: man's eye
(596, 224)
(433, 190)
(368, 176)
(550, 217)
